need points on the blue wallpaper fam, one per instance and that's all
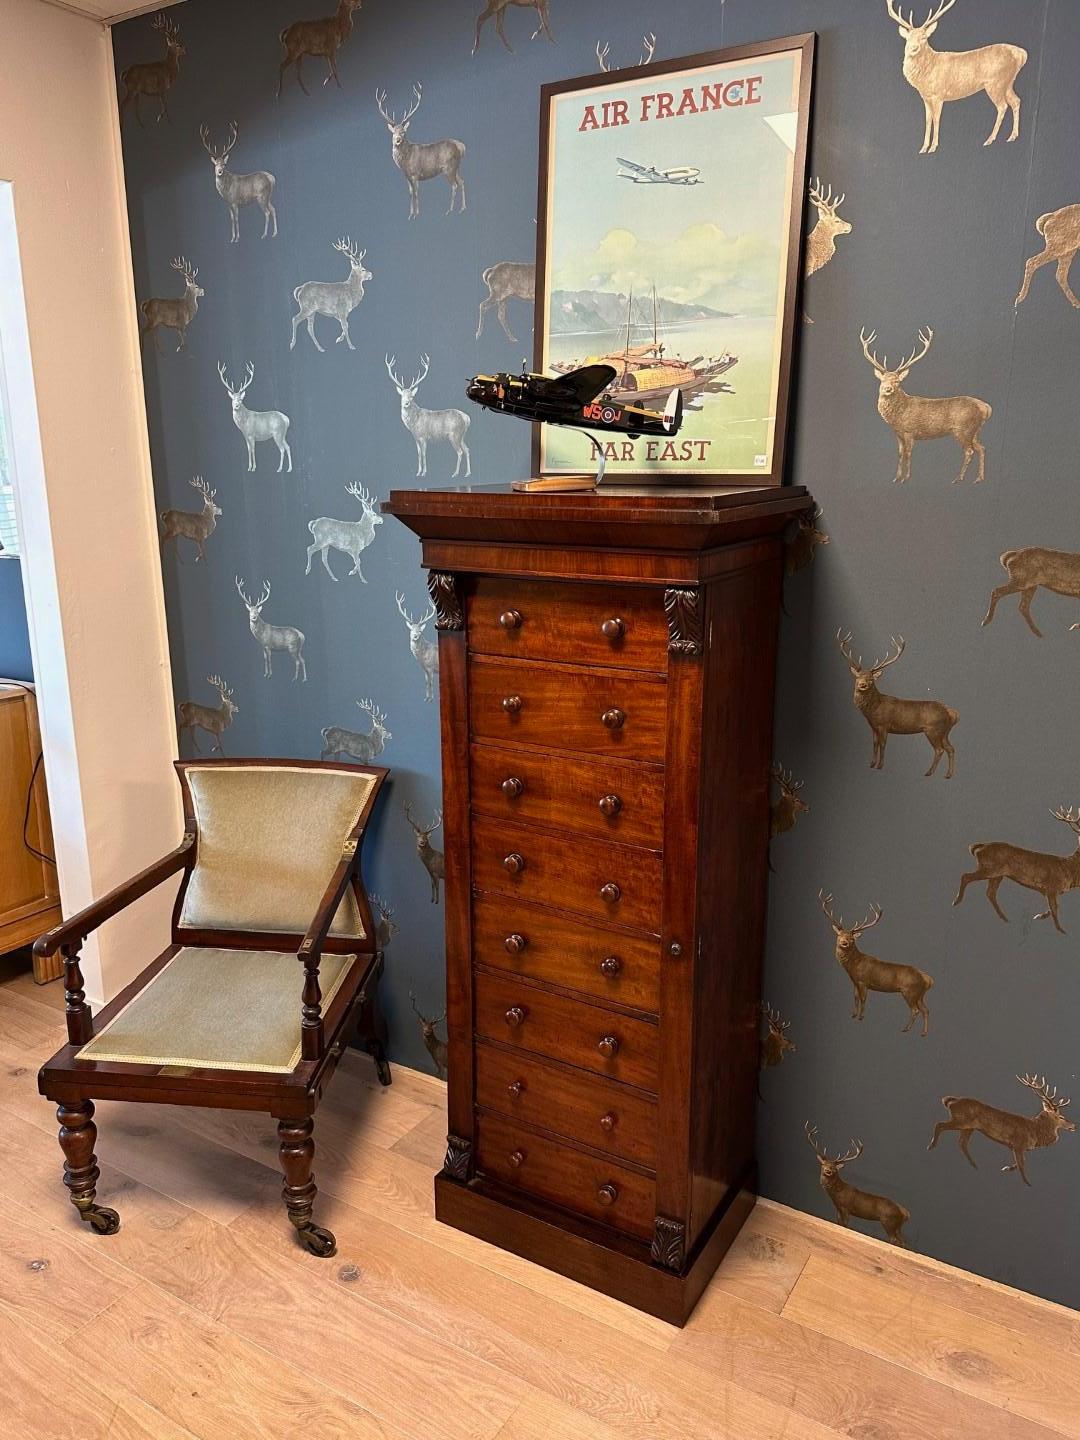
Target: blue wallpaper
(920, 243)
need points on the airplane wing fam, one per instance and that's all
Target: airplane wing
(582, 385)
(641, 170)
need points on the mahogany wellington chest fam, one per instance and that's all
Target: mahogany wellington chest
(606, 671)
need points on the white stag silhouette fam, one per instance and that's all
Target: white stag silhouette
(425, 652)
(425, 425)
(422, 162)
(335, 298)
(348, 536)
(254, 188)
(256, 425)
(272, 637)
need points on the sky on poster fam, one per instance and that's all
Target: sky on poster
(717, 243)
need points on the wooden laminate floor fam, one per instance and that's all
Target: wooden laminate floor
(202, 1317)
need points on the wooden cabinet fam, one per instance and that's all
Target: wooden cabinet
(29, 898)
(606, 677)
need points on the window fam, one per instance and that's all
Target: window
(9, 536)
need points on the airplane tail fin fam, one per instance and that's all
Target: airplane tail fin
(673, 411)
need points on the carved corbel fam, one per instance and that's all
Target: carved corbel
(458, 1162)
(445, 596)
(682, 606)
(669, 1243)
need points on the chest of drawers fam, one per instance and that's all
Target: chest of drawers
(606, 682)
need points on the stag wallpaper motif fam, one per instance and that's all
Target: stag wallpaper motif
(925, 314)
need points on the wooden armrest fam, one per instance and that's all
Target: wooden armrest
(347, 867)
(71, 934)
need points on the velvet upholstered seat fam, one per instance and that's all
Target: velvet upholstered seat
(273, 964)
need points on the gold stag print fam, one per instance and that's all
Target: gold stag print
(821, 241)
(214, 719)
(435, 1047)
(866, 972)
(154, 79)
(920, 417)
(1032, 568)
(848, 1200)
(498, 8)
(194, 525)
(173, 314)
(1048, 875)
(774, 1042)
(943, 75)
(1060, 230)
(1018, 1133)
(801, 545)
(321, 39)
(888, 715)
(785, 810)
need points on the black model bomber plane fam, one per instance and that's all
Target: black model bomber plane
(579, 400)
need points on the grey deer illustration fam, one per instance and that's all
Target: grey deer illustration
(349, 536)
(334, 298)
(1060, 230)
(154, 78)
(256, 425)
(425, 652)
(848, 1200)
(1048, 875)
(422, 162)
(1030, 568)
(943, 75)
(424, 425)
(386, 927)
(498, 8)
(273, 637)
(775, 1043)
(196, 525)
(867, 972)
(508, 280)
(214, 719)
(254, 188)
(431, 859)
(435, 1047)
(1018, 1133)
(918, 417)
(323, 38)
(889, 715)
(357, 744)
(173, 314)
(603, 52)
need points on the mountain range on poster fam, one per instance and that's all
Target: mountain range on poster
(587, 312)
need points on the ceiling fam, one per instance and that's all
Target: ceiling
(111, 9)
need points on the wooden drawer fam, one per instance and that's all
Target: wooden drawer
(607, 964)
(593, 877)
(567, 793)
(566, 1177)
(539, 620)
(572, 1030)
(595, 1112)
(565, 707)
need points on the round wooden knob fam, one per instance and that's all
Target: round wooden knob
(512, 704)
(515, 1088)
(613, 629)
(515, 1016)
(608, 1047)
(513, 863)
(610, 966)
(613, 719)
(607, 1194)
(607, 1122)
(510, 619)
(610, 892)
(610, 805)
(514, 944)
(517, 1157)
(512, 787)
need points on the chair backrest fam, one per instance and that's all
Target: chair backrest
(270, 834)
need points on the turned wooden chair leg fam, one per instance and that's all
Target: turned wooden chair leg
(297, 1151)
(372, 1031)
(78, 1134)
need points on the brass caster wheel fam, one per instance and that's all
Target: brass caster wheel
(317, 1240)
(100, 1219)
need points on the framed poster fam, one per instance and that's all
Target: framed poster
(669, 232)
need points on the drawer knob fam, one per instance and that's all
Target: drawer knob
(607, 1122)
(515, 1088)
(610, 805)
(517, 1158)
(675, 950)
(607, 1194)
(510, 619)
(613, 719)
(512, 787)
(514, 944)
(608, 1047)
(613, 629)
(513, 863)
(515, 1016)
(610, 966)
(610, 892)
(512, 704)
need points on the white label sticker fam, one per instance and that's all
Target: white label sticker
(761, 461)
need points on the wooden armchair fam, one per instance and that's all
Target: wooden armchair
(273, 964)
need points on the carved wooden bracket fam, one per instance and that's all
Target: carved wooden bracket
(458, 1162)
(669, 1243)
(682, 606)
(442, 587)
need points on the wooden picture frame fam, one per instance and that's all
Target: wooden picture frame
(612, 111)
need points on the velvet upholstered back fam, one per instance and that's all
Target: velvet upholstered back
(269, 837)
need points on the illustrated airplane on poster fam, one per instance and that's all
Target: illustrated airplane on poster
(650, 175)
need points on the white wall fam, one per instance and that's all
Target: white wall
(91, 565)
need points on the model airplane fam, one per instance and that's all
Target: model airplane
(649, 175)
(577, 399)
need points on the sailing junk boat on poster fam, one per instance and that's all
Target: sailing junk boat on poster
(647, 373)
